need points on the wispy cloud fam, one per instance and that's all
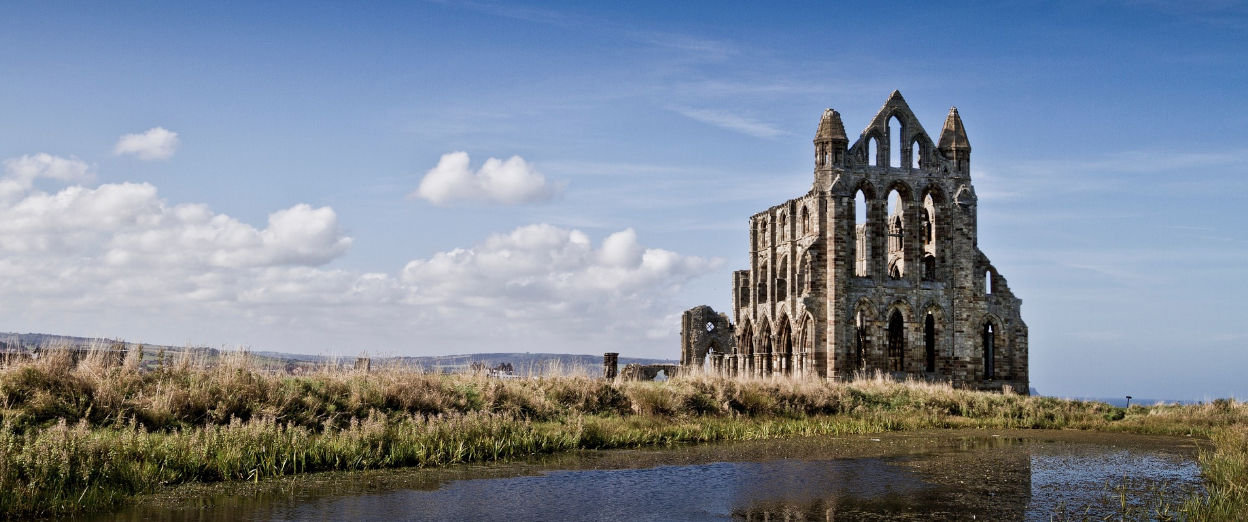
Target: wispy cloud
(1111, 271)
(688, 44)
(732, 122)
(1114, 172)
(523, 13)
(705, 47)
(1227, 14)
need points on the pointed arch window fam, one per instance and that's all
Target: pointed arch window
(895, 131)
(896, 260)
(860, 340)
(862, 240)
(989, 343)
(896, 342)
(929, 341)
(782, 287)
(806, 274)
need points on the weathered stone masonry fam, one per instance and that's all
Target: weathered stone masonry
(877, 268)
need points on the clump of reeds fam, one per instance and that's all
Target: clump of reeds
(86, 435)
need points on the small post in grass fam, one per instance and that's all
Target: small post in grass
(1128, 401)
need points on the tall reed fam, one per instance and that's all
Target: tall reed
(84, 437)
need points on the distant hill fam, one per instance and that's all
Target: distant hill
(523, 363)
(30, 341)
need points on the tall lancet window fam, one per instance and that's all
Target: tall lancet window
(862, 235)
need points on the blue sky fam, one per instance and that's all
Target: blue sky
(285, 176)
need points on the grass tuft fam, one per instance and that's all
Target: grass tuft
(84, 437)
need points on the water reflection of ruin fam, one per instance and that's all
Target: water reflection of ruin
(985, 478)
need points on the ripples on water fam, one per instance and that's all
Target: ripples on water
(925, 475)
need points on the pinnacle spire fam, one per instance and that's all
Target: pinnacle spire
(830, 127)
(953, 135)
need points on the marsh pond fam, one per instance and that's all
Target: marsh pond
(927, 475)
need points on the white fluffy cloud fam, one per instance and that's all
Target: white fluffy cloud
(118, 260)
(157, 143)
(127, 224)
(20, 173)
(507, 182)
(545, 265)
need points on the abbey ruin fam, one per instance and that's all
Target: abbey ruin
(877, 268)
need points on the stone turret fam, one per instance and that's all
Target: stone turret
(830, 141)
(875, 269)
(953, 143)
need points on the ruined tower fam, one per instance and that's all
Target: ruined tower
(877, 268)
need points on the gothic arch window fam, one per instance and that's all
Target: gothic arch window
(860, 340)
(988, 281)
(916, 155)
(896, 342)
(782, 287)
(862, 236)
(807, 343)
(929, 218)
(896, 261)
(784, 344)
(929, 341)
(782, 227)
(895, 130)
(929, 223)
(806, 274)
(805, 221)
(764, 346)
(989, 343)
(873, 151)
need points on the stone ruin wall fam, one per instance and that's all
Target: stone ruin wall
(907, 293)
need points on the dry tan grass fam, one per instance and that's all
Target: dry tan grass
(200, 419)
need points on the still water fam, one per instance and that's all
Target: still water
(936, 475)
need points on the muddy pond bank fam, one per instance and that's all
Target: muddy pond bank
(939, 474)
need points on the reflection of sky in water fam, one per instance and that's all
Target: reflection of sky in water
(700, 492)
(1067, 478)
(927, 476)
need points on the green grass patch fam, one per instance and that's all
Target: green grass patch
(85, 438)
